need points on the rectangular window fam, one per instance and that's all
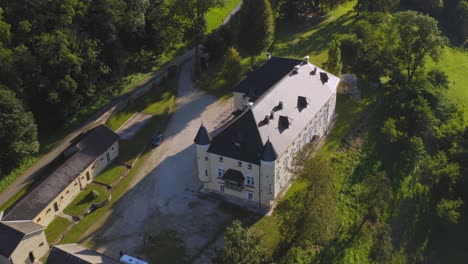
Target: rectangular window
(220, 172)
(239, 164)
(250, 196)
(41, 244)
(206, 157)
(250, 181)
(221, 188)
(68, 192)
(220, 159)
(269, 189)
(206, 172)
(249, 166)
(113, 148)
(102, 158)
(76, 183)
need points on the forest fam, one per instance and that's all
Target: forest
(57, 58)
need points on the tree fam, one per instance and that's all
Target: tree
(232, 66)
(377, 195)
(192, 13)
(382, 248)
(449, 210)
(310, 216)
(419, 37)
(256, 27)
(334, 58)
(18, 132)
(241, 246)
(376, 5)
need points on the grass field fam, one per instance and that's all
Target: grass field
(110, 174)
(56, 228)
(82, 202)
(216, 16)
(454, 61)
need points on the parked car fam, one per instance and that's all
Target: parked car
(156, 140)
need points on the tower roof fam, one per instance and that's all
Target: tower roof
(269, 153)
(202, 138)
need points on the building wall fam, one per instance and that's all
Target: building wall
(35, 242)
(73, 190)
(216, 169)
(203, 163)
(238, 101)
(318, 126)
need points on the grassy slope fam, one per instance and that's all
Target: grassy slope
(454, 62)
(56, 228)
(110, 174)
(215, 16)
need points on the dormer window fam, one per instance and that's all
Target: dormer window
(220, 159)
(249, 166)
(301, 103)
(283, 122)
(239, 164)
(323, 77)
(280, 105)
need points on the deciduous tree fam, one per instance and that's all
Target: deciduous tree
(419, 38)
(18, 131)
(256, 28)
(241, 246)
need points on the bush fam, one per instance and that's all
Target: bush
(232, 66)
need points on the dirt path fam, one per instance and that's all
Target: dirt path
(163, 193)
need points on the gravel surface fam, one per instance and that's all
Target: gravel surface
(164, 193)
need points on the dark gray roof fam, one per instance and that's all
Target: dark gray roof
(264, 77)
(275, 116)
(202, 138)
(269, 153)
(11, 234)
(239, 140)
(76, 254)
(91, 147)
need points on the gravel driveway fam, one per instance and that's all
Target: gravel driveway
(164, 193)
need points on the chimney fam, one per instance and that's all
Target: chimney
(306, 59)
(268, 55)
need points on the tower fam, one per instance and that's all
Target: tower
(267, 173)
(202, 141)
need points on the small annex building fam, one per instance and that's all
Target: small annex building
(77, 254)
(21, 242)
(90, 156)
(282, 106)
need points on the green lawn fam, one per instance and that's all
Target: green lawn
(82, 202)
(56, 228)
(155, 102)
(269, 229)
(110, 174)
(215, 16)
(454, 62)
